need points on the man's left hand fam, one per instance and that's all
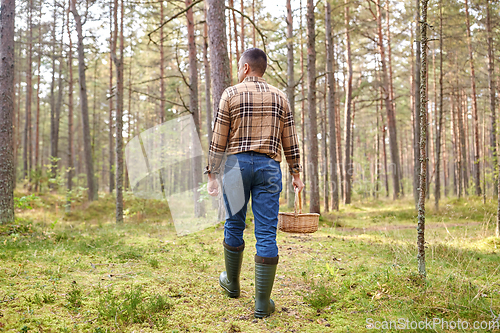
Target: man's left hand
(213, 186)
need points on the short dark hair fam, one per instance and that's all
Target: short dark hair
(256, 59)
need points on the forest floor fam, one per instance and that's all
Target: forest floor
(80, 272)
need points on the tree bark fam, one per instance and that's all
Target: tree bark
(242, 28)
(476, 166)
(423, 139)
(219, 59)
(302, 110)
(235, 25)
(70, 119)
(29, 92)
(312, 130)
(330, 100)
(37, 123)
(7, 96)
(491, 88)
(348, 104)
(290, 89)
(92, 193)
(111, 157)
(162, 68)
(208, 102)
(463, 147)
(53, 148)
(119, 110)
(416, 129)
(437, 191)
(391, 119)
(193, 107)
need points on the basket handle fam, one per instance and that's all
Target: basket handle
(297, 194)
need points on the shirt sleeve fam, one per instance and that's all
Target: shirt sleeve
(222, 125)
(290, 141)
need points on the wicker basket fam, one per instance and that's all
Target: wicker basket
(298, 222)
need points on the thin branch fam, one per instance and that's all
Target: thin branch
(170, 19)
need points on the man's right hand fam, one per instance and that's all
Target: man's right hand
(297, 182)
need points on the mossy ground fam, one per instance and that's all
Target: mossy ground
(81, 272)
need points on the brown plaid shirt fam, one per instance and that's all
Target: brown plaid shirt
(254, 116)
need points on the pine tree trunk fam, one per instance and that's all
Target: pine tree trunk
(416, 129)
(330, 100)
(302, 111)
(347, 114)
(377, 153)
(325, 154)
(391, 120)
(463, 147)
(476, 166)
(219, 60)
(162, 68)
(111, 104)
(491, 88)
(290, 89)
(208, 102)
(312, 130)
(119, 110)
(193, 107)
(253, 27)
(37, 123)
(29, 91)
(437, 190)
(70, 119)
(423, 143)
(242, 28)
(84, 106)
(53, 149)
(235, 25)
(7, 96)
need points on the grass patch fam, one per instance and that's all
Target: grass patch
(140, 276)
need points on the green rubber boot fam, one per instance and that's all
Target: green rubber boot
(230, 279)
(265, 270)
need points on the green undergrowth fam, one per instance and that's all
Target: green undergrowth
(81, 272)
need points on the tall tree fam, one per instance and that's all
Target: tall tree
(162, 68)
(206, 64)
(437, 188)
(219, 59)
(29, 92)
(330, 100)
(118, 61)
(416, 109)
(290, 84)
(423, 143)
(491, 89)
(476, 166)
(55, 107)
(38, 93)
(235, 25)
(312, 130)
(7, 96)
(71, 153)
(242, 28)
(193, 107)
(391, 117)
(348, 107)
(84, 107)
(111, 157)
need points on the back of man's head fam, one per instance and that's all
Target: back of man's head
(256, 59)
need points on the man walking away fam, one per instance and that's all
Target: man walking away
(252, 121)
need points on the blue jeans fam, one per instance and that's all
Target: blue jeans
(261, 177)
